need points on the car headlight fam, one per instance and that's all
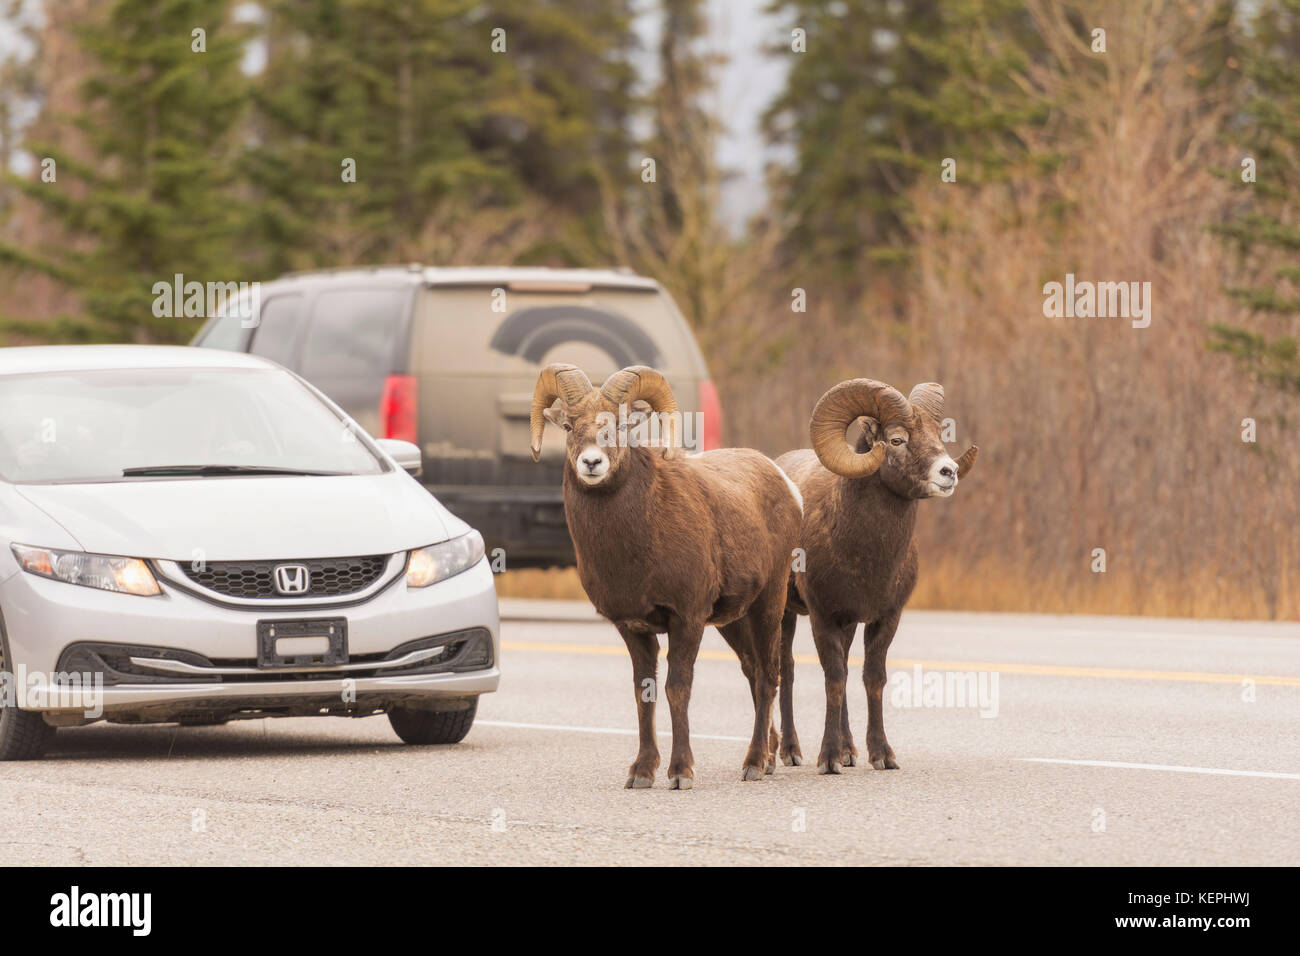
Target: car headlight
(437, 562)
(104, 571)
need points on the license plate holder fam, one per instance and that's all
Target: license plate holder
(333, 629)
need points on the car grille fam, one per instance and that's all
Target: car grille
(329, 577)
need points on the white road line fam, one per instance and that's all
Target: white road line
(597, 730)
(1168, 767)
(1115, 764)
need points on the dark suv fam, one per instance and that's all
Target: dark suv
(448, 357)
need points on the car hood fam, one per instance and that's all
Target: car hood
(248, 518)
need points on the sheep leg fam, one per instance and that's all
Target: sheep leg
(850, 751)
(879, 636)
(833, 640)
(644, 649)
(773, 738)
(683, 647)
(739, 635)
(765, 633)
(846, 732)
(769, 640)
(790, 752)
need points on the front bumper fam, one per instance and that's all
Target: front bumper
(42, 617)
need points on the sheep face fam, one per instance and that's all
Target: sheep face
(916, 465)
(900, 442)
(596, 441)
(597, 421)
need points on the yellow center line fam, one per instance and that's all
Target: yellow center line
(1046, 670)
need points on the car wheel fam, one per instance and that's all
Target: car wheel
(433, 726)
(24, 734)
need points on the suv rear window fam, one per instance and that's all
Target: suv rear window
(353, 333)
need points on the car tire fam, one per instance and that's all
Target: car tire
(24, 734)
(424, 727)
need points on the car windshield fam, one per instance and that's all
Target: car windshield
(94, 425)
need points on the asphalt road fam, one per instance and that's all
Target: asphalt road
(1108, 741)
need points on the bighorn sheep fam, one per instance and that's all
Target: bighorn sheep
(860, 558)
(667, 543)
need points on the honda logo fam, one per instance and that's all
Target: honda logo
(292, 578)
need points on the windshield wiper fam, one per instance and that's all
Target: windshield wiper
(204, 471)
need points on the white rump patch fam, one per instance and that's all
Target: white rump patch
(794, 489)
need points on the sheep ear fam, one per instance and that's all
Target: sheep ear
(556, 416)
(870, 433)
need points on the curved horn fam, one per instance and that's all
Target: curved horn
(644, 383)
(838, 408)
(967, 460)
(928, 397)
(558, 380)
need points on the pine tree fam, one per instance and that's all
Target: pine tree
(159, 114)
(18, 81)
(367, 119)
(446, 107)
(685, 133)
(662, 217)
(838, 117)
(564, 102)
(1269, 228)
(676, 216)
(883, 93)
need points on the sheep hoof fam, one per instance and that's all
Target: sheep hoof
(769, 768)
(885, 763)
(833, 766)
(850, 758)
(792, 759)
(681, 783)
(752, 773)
(638, 783)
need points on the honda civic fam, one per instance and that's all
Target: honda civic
(195, 536)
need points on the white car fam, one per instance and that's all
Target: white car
(194, 536)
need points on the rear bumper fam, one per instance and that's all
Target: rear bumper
(527, 521)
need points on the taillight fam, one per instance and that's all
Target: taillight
(399, 410)
(711, 409)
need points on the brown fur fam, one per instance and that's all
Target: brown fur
(858, 535)
(675, 545)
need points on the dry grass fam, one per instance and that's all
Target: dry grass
(559, 584)
(951, 584)
(1099, 435)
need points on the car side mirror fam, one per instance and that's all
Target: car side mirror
(405, 454)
